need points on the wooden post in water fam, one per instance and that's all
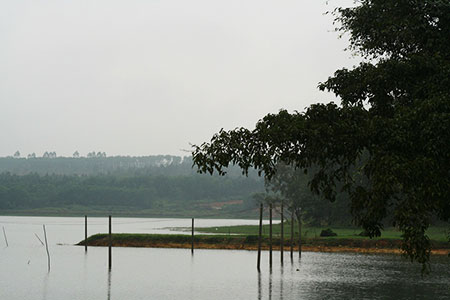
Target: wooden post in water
(282, 233)
(4, 234)
(46, 247)
(292, 235)
(85, 233)
(258, 264)
(299, 237)
(110, 245)
(270, 235)
(192, 238)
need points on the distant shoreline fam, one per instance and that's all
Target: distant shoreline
(251, 243)
(117, 214)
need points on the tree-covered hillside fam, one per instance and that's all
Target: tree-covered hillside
(145, 192)
(151, 185)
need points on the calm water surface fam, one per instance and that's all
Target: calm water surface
(144, 273)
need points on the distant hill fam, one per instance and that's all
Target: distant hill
(151, 185)
(158, 186)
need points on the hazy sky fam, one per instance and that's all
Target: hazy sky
(144, 77)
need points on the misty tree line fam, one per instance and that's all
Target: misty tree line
(98, 163)
(146, 191)
(161, 182)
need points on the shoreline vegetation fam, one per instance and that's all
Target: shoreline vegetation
(250, 242)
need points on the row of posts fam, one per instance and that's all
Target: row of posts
(192, 238)
(259, 237)
(261, 209)
(110, 240)
(86, 243)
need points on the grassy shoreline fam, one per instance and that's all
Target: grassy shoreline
(435, 233)
(250, 242)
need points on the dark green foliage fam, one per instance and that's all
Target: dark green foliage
(387, 144)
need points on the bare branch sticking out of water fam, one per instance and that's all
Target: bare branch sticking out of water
(39, 239)
(46, 247)
(4, 234)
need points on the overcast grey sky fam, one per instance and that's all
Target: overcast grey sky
(145, 77)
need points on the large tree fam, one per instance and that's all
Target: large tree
(387, 144)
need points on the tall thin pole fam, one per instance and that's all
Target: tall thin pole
(299, 236)
(270, 235)
(46, 247)
(4, 234)
(85, 233)
(282, 233)
(192, 238)
(258, 265)
(110, 245)
(292, 235)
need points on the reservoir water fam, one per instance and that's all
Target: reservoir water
(146, 273)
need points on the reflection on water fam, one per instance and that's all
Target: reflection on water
(109, 285)
(281, 282)
(259, 286)
(142, 273)
(270, 284)
(45, 286)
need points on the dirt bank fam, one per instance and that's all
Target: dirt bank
(251, 243)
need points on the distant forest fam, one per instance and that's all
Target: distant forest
(150, 185)
(161, 186)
